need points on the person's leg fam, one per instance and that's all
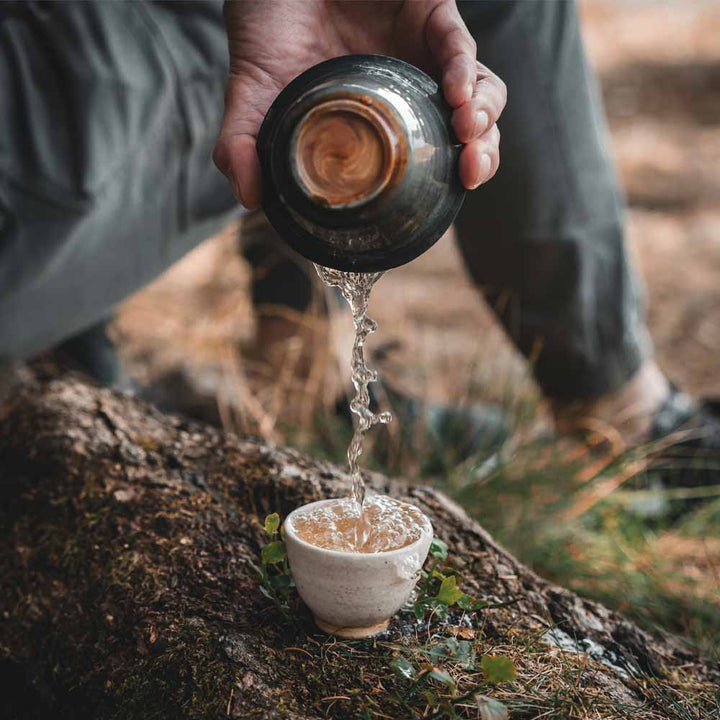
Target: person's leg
(110, 112)
(297, 337)
(545, 238)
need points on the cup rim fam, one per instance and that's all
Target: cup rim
(427, 530)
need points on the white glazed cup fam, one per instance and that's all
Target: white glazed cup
(354, 595)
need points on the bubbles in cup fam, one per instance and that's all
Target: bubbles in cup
(336, 525)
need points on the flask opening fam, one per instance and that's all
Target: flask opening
(346, 152)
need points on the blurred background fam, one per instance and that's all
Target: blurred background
(567, 509)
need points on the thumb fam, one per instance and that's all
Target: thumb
(248, 95)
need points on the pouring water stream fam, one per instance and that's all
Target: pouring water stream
(355, 288)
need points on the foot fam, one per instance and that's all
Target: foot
(626, 414)
(680, 436)
(93, 353)
(687, 433)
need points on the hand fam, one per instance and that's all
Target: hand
(273, 41)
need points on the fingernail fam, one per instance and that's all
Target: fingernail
(482, 120)
(485, 165)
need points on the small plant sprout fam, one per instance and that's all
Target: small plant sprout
(440, 677)
(276, 582)
(438, 591)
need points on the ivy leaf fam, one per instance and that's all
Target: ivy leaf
(448, 594)
(465, 655)
(466, 602)
(282, 582)
(439, 549)
(498, 669)
(438, 653)
(442, 676)
(451, 644)
(273, 552)
(272, 523)
(403, 667)
(491, 709)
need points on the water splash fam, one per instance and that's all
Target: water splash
(392, 525)
(355, 288)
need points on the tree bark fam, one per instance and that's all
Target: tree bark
(125, 590)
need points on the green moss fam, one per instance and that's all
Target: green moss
(188, 679)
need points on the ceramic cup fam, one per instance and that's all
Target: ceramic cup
(354, 595)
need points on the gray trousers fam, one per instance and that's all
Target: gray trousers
(109, 115)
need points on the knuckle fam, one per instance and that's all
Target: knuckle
(458, 42)
(472, 45)
(502, 87)
(493, 82)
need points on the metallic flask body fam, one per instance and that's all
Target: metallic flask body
(359, 163)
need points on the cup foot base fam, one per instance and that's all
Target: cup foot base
(352, 633)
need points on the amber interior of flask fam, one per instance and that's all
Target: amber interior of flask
(347, 151)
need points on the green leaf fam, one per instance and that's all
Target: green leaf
(465, 654)
(255, 568)
(282, 582)
(491, 709)
(272, 523)
(442, 676)
(437, 654)
(418, 611)
(273, 552)
(439, 549)
(498, 669)
(448, 594)
(403, 667)
(466, 602)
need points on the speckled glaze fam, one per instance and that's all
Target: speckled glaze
(354, 594)
(418, 191)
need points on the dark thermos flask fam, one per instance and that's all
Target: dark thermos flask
(359, 163)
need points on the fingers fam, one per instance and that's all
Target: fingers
(236, 158)
(471, 120)
(454, 49)
(248, 96)
(477, 95)
(479, 159)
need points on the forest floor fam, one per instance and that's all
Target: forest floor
(564, 510)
